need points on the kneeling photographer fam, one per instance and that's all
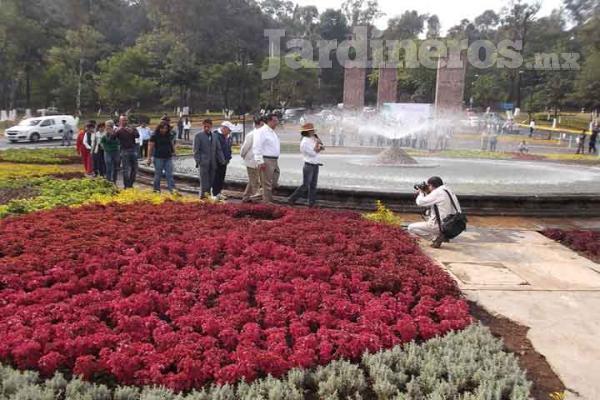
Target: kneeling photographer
(445, 218)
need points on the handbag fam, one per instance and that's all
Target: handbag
(454, 224)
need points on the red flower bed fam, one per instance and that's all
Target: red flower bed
(584, 242)
(183, 295)
(528, 157)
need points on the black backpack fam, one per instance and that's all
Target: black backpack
(454, 224)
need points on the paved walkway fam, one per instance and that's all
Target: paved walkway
(540, 284)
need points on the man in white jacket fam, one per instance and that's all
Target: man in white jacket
(253, 186)
(267, 148)
(437, 194)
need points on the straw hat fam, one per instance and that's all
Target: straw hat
(306, 128)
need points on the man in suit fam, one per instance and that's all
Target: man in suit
(208, 154)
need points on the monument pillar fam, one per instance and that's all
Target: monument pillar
(387, 90)
(450, 86)
(354, 88)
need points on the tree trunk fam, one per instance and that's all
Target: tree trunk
(28, 86)
(79, 86)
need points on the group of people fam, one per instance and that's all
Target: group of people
(212, 153)
(107, 148)
(260, 152)
(184, 127)
(581, 140)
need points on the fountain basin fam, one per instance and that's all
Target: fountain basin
(475, 177)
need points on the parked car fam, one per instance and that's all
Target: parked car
(293, 115)
(472, 121)
(34, 129)
(325, 116)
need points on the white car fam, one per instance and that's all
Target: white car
(34, 129)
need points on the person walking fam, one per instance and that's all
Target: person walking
(310, 147)
(84, 146)
(594, 139)
(581, 143)
(493, 141)
(208, 154)
(226, 142)
(145, 134)
(187, 127)
(180, 129)
(267, 148)
(67, 133)
(127, 137)
(247, 154)
(110, 145)
(97, 151)
(531, 127)
(162, 150)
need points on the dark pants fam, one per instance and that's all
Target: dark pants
(186, 134)
(179, 133)
(99, 164)
(166, 165)
(219, 181)
(111, 159)
(593, 147)
(207, 177)
(144, 149)
(310, 173)
(129, 158)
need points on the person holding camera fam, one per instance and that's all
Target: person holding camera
(310, 147)
(444, 208)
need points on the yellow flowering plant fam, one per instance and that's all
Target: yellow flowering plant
(131, 196)
(383, 215)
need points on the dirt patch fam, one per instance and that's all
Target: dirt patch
(68, 175)
(8, 194)
(545, 381)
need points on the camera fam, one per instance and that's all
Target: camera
(423, 187)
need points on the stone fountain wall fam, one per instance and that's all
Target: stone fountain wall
(450, 87)
(354, 88)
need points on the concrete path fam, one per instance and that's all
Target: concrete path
(540, 284)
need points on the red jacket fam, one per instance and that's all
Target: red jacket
(79, 144)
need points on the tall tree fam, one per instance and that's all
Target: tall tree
(517, 19)
(409, 25)
(361, 12)
(75, 61)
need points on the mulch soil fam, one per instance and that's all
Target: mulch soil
(8, 194)
(545, 381)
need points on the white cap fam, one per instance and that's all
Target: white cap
(229, 125)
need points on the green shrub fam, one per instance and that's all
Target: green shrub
(383, 215)
(467, 365)
(56, 193)
(40, 156)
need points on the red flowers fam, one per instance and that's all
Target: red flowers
(585, 242)
(183, 295)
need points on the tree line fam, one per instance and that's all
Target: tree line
(89, 55)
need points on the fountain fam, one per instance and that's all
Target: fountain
(395, 155)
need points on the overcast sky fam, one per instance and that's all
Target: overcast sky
(450, 12)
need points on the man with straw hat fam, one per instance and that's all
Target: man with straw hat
(310, 147)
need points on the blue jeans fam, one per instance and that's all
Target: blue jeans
(129, 158)
(310, 174)
(166, 165)
(111, 159)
